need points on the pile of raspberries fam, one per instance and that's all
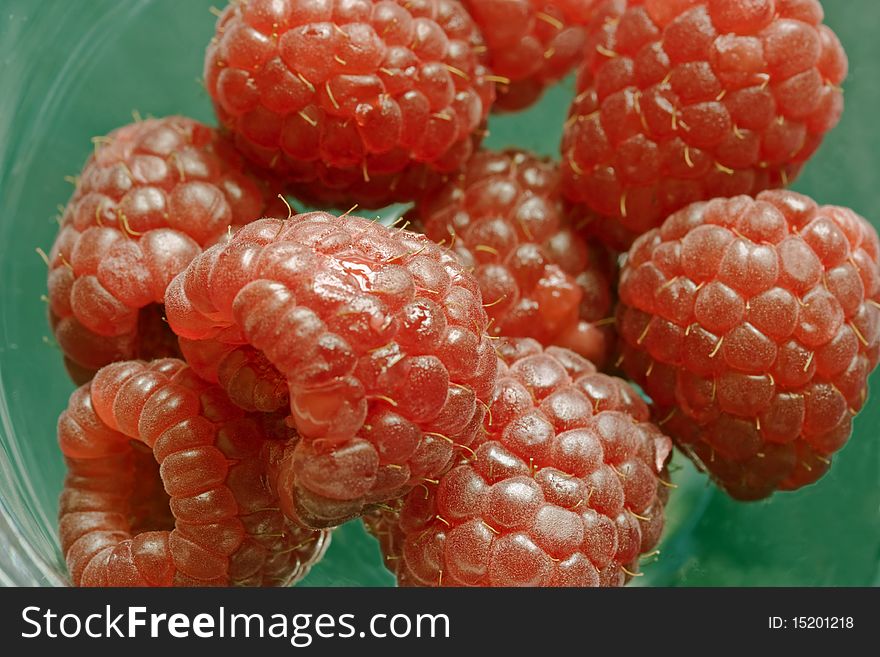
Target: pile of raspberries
(252, 377)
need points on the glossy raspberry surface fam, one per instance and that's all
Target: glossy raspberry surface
(531, 43)
(153, 194)
(753, 326)
(565, 488)
(685, 101)
(204, 517)
(503, 215)
(351, 101)
(378, 335)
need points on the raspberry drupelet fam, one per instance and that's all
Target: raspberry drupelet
(565, 488)
(531, 43)
(220, 525)
(351, 101)
(504, 216)
(689, 100)
(753, 326)
(148, 200)
(373, 337)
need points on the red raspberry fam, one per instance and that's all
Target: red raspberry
(150, 198)
(566, 488)
(505, 218)
(351, 101)
(378, 335)
(220, 524)
(532, 43)
(689, 100)
(753, 326)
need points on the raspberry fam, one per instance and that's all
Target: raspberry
(150, 198)
(685, 101)
(532, 43)
(753, 325)
(566, 488)
(361, 101)
(540, 279)
(378, 334)
(215, 523)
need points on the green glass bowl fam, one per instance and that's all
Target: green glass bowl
(73, 70)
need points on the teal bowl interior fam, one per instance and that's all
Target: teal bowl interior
(73, 70)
